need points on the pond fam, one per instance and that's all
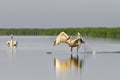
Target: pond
(35, 58)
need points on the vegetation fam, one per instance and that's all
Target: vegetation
(91, 32)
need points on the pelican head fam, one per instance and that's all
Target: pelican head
(11, 36)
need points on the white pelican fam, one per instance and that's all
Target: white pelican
(11, 42)
(64, 38)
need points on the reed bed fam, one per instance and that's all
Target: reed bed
(90, 32)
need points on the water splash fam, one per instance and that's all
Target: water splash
(87, 49)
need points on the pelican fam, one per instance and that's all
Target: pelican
(64, 38)
(11, 42)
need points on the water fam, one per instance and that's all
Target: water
(35, 58)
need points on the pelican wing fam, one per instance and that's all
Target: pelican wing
(61, 38)
(8, 42)
(15, 43)
(79, 38)
(82, 41)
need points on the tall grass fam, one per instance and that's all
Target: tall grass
(91, 32)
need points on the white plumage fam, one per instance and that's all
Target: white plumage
(64, 38)
(11, 42)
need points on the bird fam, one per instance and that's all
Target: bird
(64, 38)
(11, 42)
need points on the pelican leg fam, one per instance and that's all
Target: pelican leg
(54, 61)
(78, 48)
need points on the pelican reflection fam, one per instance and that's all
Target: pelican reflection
(68, 64)
(11, 51)
(66, 68)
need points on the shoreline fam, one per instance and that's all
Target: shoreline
(90, 32)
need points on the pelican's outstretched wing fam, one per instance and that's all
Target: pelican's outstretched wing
(8, 42)
(61, 38)
(79, 38)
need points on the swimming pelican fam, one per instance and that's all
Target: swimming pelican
(64, 38)
(11, 42)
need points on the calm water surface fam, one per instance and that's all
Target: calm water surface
(35, 58)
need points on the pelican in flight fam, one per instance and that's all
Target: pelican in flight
(64, 38)
(11, 42)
